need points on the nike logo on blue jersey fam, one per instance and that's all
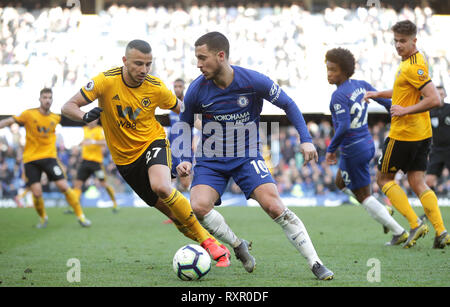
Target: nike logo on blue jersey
(206, 105)
(264, 176)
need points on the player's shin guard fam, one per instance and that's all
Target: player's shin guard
(182, 210)
(38, 203)
(298, 236)
(74, 202)
(400, 201)
(216, 225)
(379, 213)
(430, 205)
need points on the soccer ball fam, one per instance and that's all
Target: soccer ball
(191, 262)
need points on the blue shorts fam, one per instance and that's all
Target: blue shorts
(248, 173)
(355, 170)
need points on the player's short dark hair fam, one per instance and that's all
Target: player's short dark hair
(45, 90)
(215, 41)
(405, 27)
(342, 57)
(179, 80)
(140, 45)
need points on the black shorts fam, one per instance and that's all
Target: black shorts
(136, 173)
(51, 167)
(88, 168)
(436, 162)
(404, 155)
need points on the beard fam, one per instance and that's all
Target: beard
(213, 74)
(135, 79)
(46, 106)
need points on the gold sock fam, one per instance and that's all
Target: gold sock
(111, 194)
(184, 230)
(430, 205)
(182, 210)
(77, 193)
(38, 203)
(74, 202)
(400, 201)
(188, 233)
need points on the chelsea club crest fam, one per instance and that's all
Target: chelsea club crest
(242, 101)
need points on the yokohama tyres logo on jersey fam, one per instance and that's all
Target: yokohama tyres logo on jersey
(274, 93)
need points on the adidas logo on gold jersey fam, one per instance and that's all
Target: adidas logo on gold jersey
(116, 97)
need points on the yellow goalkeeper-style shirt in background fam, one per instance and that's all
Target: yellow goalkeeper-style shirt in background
(128, 117)
(93, 152)
(411, 77)
(40, 140)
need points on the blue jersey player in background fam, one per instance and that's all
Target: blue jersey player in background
(349, 116)
(185, 181)
(230, 100)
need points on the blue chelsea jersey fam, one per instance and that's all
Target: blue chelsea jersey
(349, 115)
(231, 116)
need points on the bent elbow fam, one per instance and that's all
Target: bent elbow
(63, 109)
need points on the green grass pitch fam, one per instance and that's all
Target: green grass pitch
(134, 248)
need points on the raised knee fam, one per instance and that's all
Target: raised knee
(163, 190)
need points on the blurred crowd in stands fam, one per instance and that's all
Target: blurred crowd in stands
(58, 47)
(282, 157)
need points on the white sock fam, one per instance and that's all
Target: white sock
(298, 236)
(379, 212)
(214, 222)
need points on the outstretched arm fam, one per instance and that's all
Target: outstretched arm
(7, 122)
(385, 102)
(379, 94)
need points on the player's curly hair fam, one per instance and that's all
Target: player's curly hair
(342, 57)
(405, 27)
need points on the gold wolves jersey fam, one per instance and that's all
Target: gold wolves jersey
(411, 77)
(128, 116)
(93, 152)
(40, 140)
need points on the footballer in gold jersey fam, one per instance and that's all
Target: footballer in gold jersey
(92, 161)
(408, 144)
(127, 98)
(40, 155)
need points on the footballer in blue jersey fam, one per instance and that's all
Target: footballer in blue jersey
(178, 88)
(230, 100)
(230, 121)
(352, 137)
